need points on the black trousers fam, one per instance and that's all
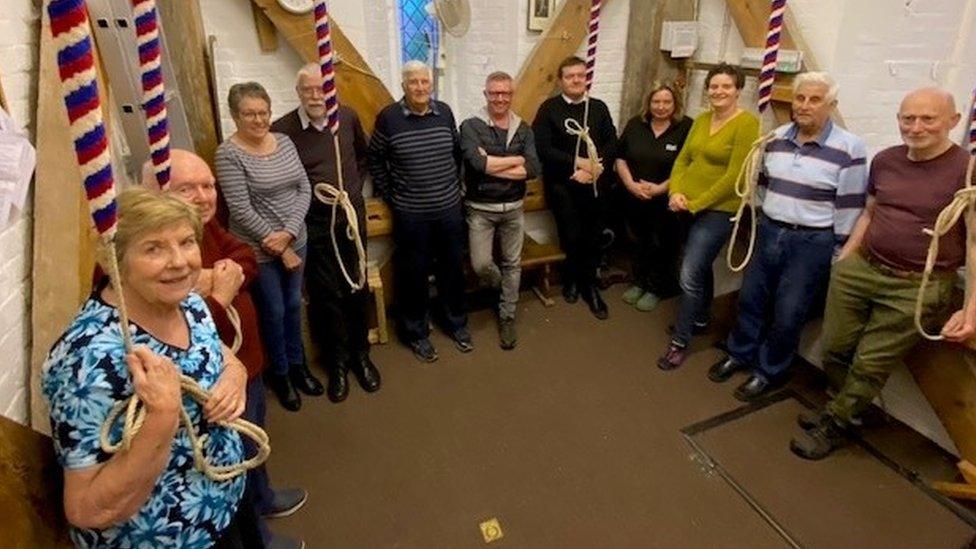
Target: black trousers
(424, 243)
(579, 223)
(659, 235)
(336, 313)
(242, 532)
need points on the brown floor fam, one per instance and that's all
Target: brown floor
(573, 440)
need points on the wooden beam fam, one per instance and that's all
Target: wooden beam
(31, 509)
(183, 24)
(63, 252)
(946, 375)
(537, 77)
(645, 62)
(751, 18)
(358, 86)
(267, 35)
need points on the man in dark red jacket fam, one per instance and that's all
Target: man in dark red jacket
(229, 268)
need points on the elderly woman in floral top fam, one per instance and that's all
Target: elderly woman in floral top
(149, 495)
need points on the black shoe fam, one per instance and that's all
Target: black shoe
(755, 387)
(596, 304)
(304, 381)
(722, 370)
(423, 350)
(366, 372)
(338, 381)
(286, 502)
(285, 391)
(462, 340)
(571, 292)
(821, 441)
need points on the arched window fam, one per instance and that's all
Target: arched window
(418, 31)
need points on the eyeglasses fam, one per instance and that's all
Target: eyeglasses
(498, 95)
(311, 91)
(252, 116)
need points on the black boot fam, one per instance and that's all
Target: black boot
(338, 380)
(285, 391)
(304, 381)
(596, 304)
(366, 372)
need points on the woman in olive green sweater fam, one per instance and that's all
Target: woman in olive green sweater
(703, 184)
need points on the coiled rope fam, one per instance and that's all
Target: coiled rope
(746, 181)
(336, 195)
(746, 187)
(71, 32)
(964, 201)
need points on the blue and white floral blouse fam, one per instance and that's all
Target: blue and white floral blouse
(85, 375)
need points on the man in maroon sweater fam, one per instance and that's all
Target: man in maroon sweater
(229, 268)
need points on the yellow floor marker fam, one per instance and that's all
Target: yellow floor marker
(491, 530)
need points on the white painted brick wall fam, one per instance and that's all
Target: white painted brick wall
(876, 49)
(497, 40)
(19, 29)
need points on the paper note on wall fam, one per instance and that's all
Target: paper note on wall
(17, 162)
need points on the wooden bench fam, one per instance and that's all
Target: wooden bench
(535, 256)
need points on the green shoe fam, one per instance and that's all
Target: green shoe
(633, 294)
(647, 302)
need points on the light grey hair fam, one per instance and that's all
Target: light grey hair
(413, 66)
(311, 70)
(817, 77)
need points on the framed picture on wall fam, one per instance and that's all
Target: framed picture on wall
(541, 13)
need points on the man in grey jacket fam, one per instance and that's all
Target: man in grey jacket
(499, 156)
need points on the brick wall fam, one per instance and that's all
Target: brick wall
(19, 29)
(877, 50)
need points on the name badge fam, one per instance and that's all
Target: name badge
(670, 147)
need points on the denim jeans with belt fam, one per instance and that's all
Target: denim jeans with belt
(709, 231)
(277, 293)
(787, 275)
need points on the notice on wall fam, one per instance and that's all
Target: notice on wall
(17, 162)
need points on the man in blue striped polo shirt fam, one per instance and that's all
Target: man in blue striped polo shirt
(414, 157)
(812, 188)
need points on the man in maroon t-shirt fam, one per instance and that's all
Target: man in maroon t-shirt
(869, 322)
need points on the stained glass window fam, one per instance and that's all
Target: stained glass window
(418, 31)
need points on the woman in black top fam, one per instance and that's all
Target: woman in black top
(647, 150)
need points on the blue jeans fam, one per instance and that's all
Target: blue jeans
(709, 231)
(787, 275)
(278, 295)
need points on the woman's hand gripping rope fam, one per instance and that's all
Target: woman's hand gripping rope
(746, 184)
(964, 201)
(135, 415)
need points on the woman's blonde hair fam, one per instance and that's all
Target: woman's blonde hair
(659, 86)
(141, 211)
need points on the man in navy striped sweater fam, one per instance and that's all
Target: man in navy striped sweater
(414, 158)
(813, 186)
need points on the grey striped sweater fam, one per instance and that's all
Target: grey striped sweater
(264, 193)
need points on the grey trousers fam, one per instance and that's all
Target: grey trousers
(509, 226)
